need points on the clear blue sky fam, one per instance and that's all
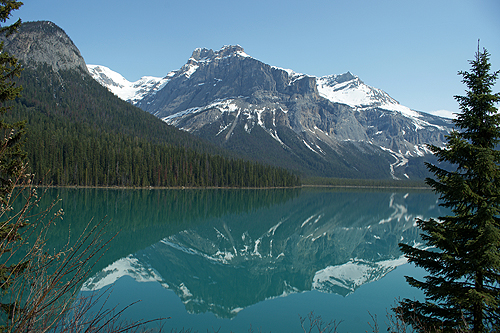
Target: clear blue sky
(411, 49)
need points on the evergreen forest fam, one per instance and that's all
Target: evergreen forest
(80, 134)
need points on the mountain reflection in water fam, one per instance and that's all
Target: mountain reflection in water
(328, 240)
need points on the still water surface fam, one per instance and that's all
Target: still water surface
(251, 259)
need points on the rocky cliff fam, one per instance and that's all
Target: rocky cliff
(44, 42)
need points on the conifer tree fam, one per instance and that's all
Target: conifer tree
(462, 257)
(11, 154)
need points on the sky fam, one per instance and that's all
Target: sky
(413, 50)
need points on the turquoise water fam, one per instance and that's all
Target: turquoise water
(242, 260)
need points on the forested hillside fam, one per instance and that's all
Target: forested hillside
(78, 133)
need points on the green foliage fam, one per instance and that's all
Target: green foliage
(6, 8)
(80, 134)
(463, 254)
(11, 159)
(11, 154)
(375, 183)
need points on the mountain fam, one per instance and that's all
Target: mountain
(37, 43)
(333, 126)
(128, 91)
(79, 133)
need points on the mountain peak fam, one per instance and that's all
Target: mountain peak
(204, 54)
(201, 53)
(340, 78)
(231, 49)
(348, 89)
(43, 42)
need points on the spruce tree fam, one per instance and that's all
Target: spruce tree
(11, 153)
(12, 156)
(462, 256)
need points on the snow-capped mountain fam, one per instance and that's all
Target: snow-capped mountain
(121, 87)
(349, 89)
(334, 126)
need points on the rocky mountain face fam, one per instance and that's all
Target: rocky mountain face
(37, 43)
(334, 126)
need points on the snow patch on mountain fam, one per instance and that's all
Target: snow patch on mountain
(349, 89)
(226, 105)
(188, 69)
(204, 56)
(124, 89)
(252, 115)
(292, 75)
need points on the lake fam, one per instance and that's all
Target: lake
(251, 260)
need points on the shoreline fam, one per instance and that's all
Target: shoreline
(235, 188)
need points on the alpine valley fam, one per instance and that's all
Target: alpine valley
(331, 126)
